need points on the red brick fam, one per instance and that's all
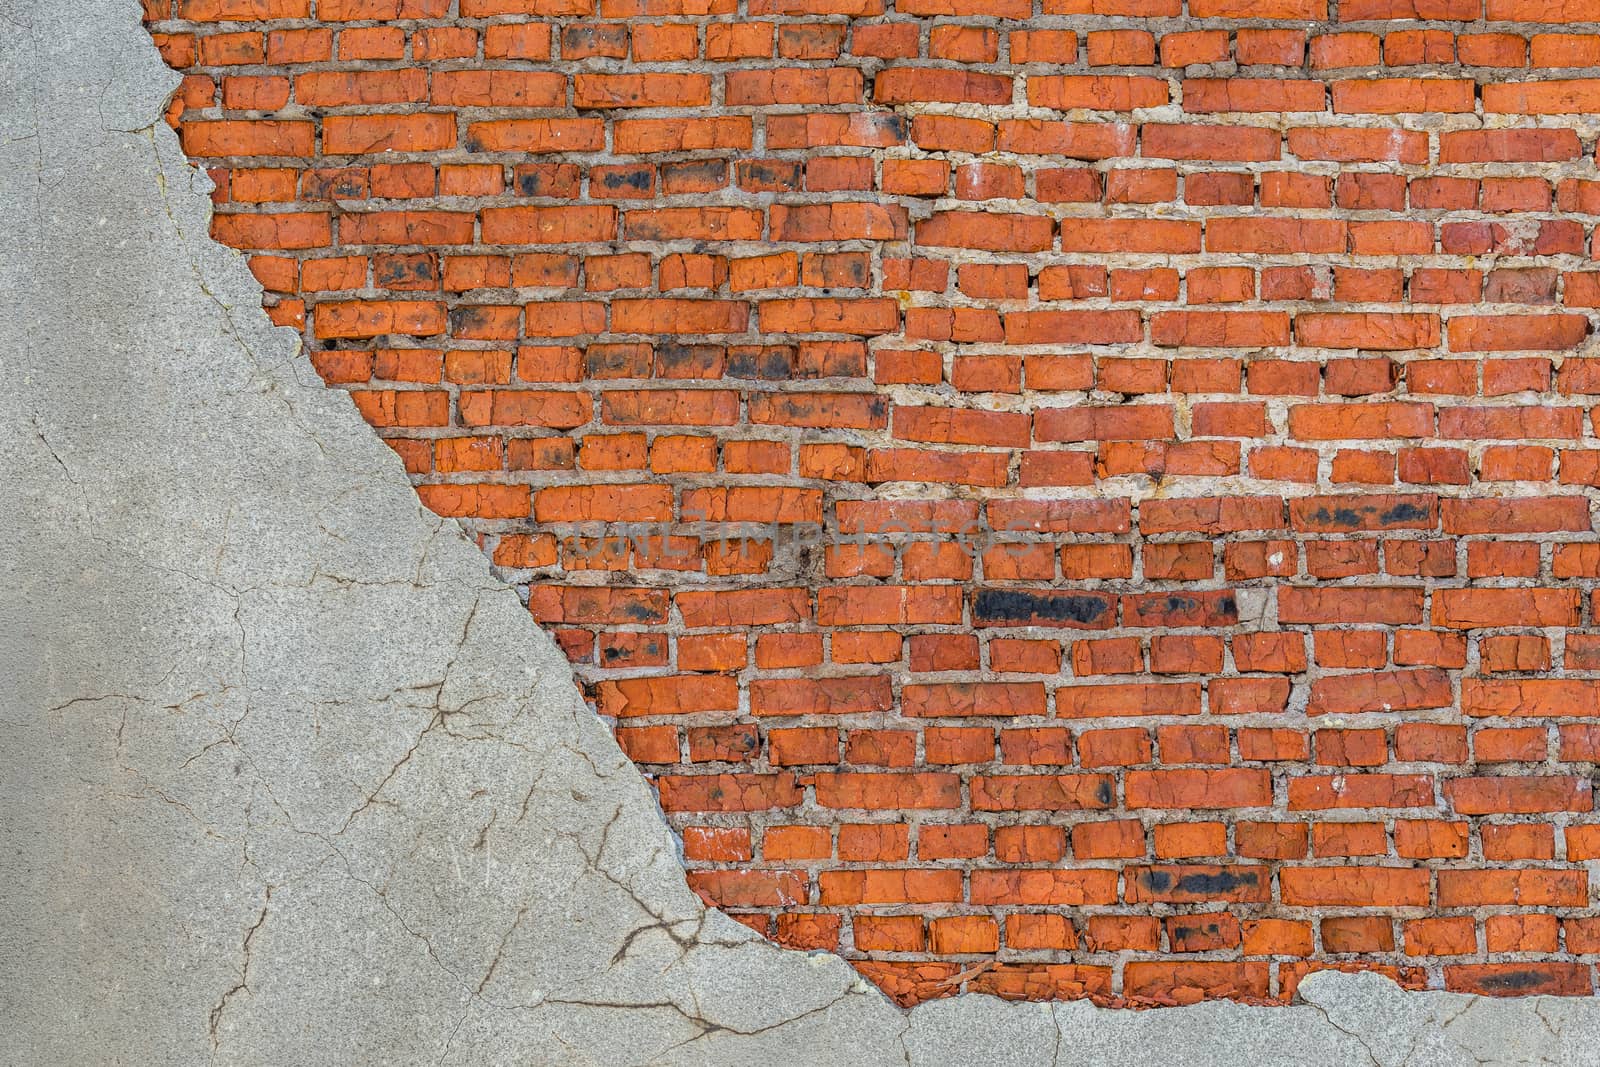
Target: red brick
(969, 512)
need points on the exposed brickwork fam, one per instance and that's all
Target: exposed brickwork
(1111, 480)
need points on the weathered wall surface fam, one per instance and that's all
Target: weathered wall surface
(289, 778)
(1062, 498)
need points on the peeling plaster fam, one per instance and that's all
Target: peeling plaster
(289, 777)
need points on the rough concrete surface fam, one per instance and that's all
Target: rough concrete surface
(290, 778)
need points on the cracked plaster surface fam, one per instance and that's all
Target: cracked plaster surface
(289, 778)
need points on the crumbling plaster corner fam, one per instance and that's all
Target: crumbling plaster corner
(289, 777)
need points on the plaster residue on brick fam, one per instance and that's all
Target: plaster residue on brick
(1080, 501)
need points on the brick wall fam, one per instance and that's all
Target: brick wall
(1062, 497)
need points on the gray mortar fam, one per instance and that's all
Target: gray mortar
(289, 778)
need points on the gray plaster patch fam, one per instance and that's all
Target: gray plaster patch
(289, 778)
